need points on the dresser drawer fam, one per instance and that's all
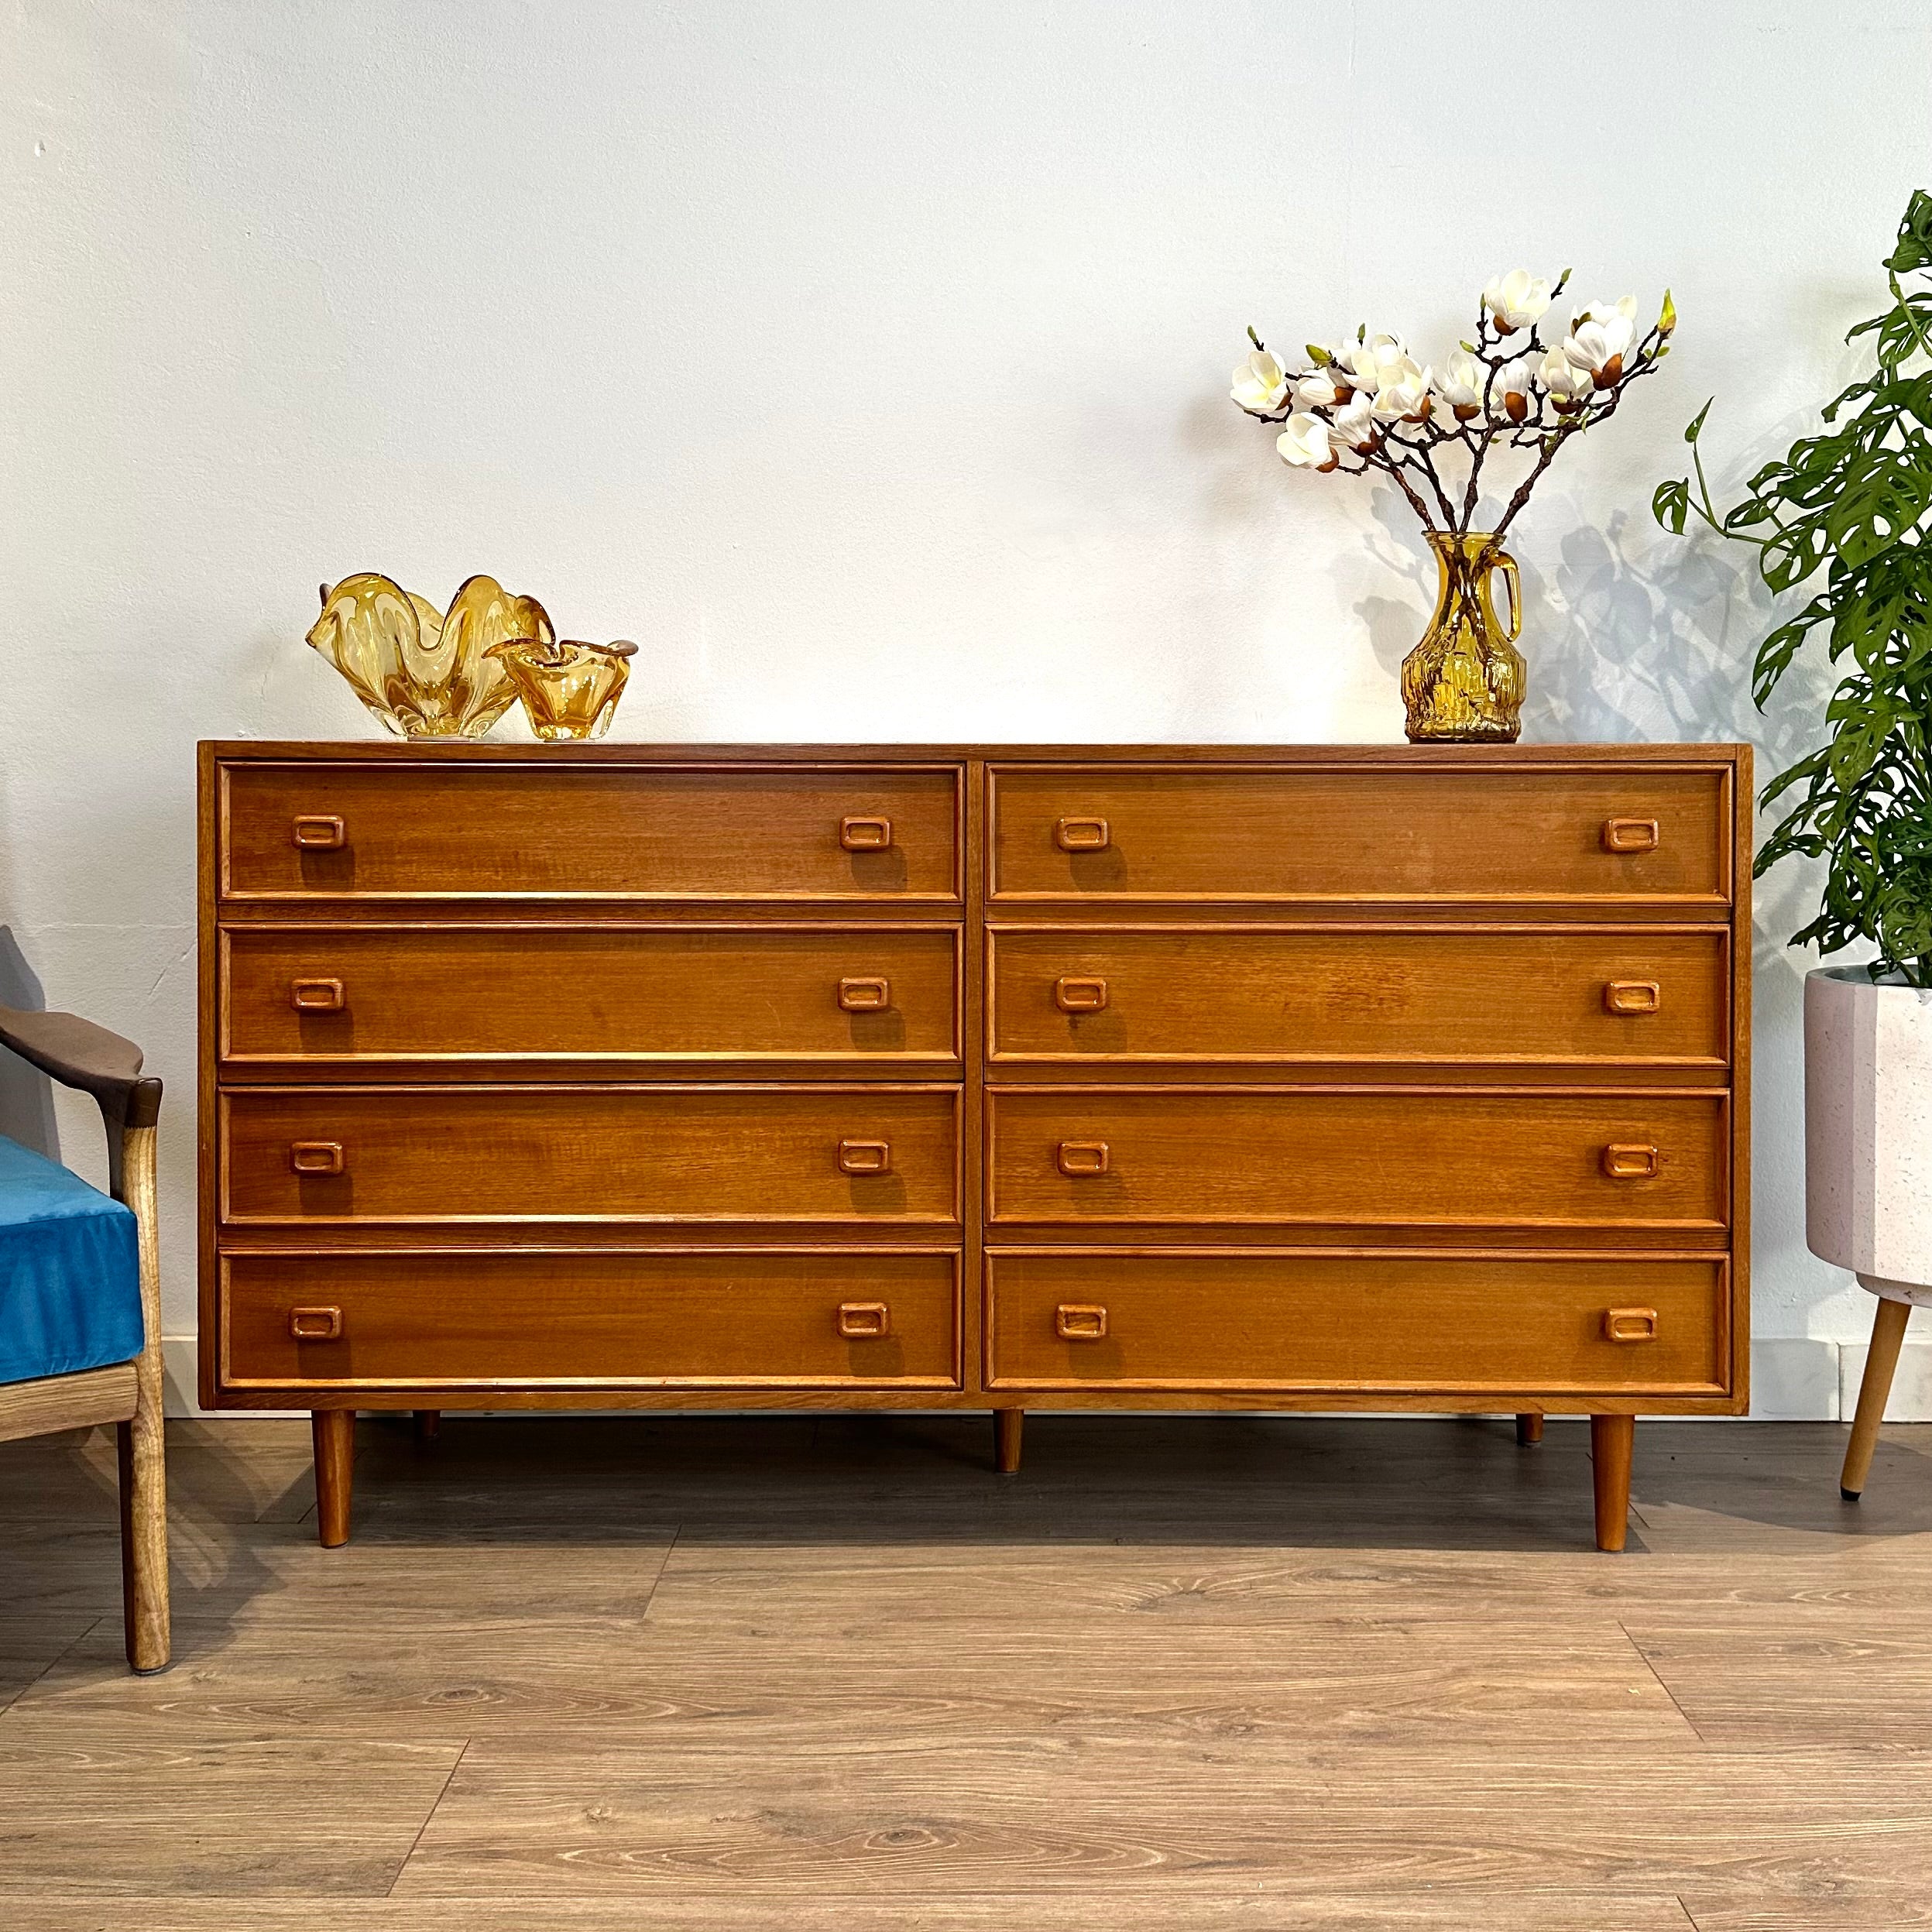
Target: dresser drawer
(375, 994)
(1314, 1156)
(1478, 832)
(1445, 1322)
(753, 1319)
(583, 830)
(1441, 997)
(661, 1153)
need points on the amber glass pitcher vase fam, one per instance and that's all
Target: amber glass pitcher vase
(1463, 683)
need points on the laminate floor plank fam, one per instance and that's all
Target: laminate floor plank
(96, 1805)
(29, 1646)
(1490, 1910)
(1805, 1676)
(756, 1583)
(901, 1688)
(1871, 1911)
(272, 1572)
(571, 1818)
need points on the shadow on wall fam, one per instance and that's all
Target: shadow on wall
(26, 1096)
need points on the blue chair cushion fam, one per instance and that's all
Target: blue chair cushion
(70, 1271)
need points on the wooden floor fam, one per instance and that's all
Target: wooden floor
(1188, 1672)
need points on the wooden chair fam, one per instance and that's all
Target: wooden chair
(121, 1304)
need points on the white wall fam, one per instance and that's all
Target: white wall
(868, 363)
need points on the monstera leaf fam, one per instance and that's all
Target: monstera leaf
(423, 674)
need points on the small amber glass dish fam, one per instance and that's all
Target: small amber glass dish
(569, 688)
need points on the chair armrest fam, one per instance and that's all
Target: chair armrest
(79, 1054)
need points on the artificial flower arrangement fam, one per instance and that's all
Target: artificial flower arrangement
(1373, 408)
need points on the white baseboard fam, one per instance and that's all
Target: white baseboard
(180, 1361)
(1793, 1378)
(1911, 1398)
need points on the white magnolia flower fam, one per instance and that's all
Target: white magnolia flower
(1460, 384)
(1602, 311)
(1322, 388)
(1305, 443)
(1514, 394)
(1600, 338)
(1261, 384)
(1405, 400)
(1568, 386)
(1354, 424)
(1380, 361)
(1516, 300)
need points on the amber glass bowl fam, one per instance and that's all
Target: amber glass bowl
(569, 688)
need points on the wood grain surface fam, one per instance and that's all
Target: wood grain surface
(1420, 997)
(1352, 1320)
(482, 829)
(497, 992)
(1182, 833)
(760, 1315)
(610, 1154)
(1455, 1158)
(798, 1675)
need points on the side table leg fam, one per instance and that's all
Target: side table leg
(1881, 1362)
(1007, 1425)
(1529, 1430)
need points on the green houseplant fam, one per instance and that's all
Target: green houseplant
(1848, 513)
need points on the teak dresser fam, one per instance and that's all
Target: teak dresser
(986, 1077)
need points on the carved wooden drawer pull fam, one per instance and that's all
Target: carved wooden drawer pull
(865, 835)
(317, 996)
(1078, 1159)
(1629, 1162)
(1079, 995)
(1630, 834)
(865, 1157)
(1632, 997)
(314, 832)
(1630, 1324)
(316, 1324)
(316, 1157)
(865, 996)
(1080, 1322)
(1082, 835)
(864, 1321)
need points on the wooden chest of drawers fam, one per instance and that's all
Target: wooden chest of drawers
(983, 1077)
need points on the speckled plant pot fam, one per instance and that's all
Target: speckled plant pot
(1867, 1131)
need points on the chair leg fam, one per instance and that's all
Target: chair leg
(142, 1442)
(335, 1431)
(1529, 1430)
(144, 1545)
(1007, 1426)
(1611, 1439)
(1881, 1361)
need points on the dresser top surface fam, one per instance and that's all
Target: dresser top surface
(1518, 756)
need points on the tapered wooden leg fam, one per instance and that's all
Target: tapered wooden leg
(429, 1426)
(144, 1542)
(1611, 1439)
(1881, 1361)
(1529, 1430)
(335, 1473)
(143, 1444)
(1007, 1425)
